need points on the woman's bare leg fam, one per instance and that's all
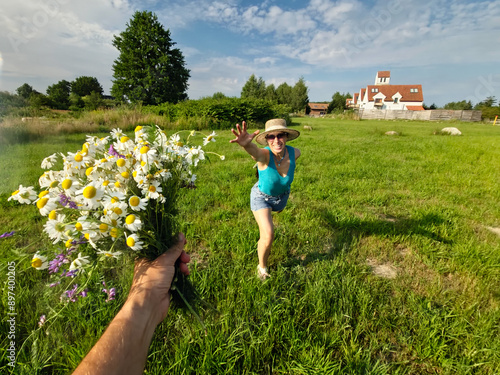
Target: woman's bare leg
(266, 229)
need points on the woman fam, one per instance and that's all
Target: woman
(276, 167)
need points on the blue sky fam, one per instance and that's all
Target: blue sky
(451, 47)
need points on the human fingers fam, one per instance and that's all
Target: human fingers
(172, 254)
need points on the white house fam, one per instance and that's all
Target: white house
(383, 95)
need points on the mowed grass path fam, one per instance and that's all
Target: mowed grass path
(384, 260)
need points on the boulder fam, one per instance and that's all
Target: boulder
(451, 131)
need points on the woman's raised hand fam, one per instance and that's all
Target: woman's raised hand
(242, 136)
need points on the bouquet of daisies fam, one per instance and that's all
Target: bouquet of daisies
(114, 197)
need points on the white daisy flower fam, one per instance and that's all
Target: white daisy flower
(79, 262)
(209, 138)
(24, 195)
(152, 190)
(133, 242)
(137, 204)
(195, 154)
(39, 262)
(117, 133)
(49, 161)
(69, 185)
(45, 205)
(91, 195)
(110, 254)
(133, 223)
(76, 160)
(57, 229)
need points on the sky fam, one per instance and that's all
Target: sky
(451, 48)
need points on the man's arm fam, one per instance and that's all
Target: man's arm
(123, 348)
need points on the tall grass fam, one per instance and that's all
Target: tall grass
(383, 262)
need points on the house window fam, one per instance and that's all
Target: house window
(396, 100)
(374, 90)
(413, 90)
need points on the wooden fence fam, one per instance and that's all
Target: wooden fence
(428, 115)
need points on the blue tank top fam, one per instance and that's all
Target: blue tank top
(270, 181)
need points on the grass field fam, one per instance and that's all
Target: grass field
(385, 260)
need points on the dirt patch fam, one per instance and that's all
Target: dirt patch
(385, 270)
(494, 230)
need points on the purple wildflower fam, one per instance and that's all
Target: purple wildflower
(57, 262)
(111, 293)
(54, 284)
(71, 273)
(71, 294)
(65, 201)
(7, 234)
(113, 152)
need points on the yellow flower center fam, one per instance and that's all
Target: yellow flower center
(109, 255)
(16, 192)
(117, 210)
(125, 174)
(134, 201)
(60, 227)
(103, 227)
(124, 139)
(130, 241)
(68, 243)
(105, 183)
(66, 184)
(79, 226)
(138, 128)
(121, 162)
(42, 202)
(143, 163)
(144, 150)
(87, 236)
(113, 232)
(180, 144)
(43, 194)
(117, 184)
(89, 192)
(134, 173)
(114, 222)
(36, 263)
(78, 157)
(149, 176)
(53, 215)
(152, 188)
(130, 219)
(89, 171)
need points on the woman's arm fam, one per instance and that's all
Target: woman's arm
(123, 348)
(245, 140)
(297, 153)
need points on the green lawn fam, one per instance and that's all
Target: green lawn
(383, 261)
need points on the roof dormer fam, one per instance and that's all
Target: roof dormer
(383, 77)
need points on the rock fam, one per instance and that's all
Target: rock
(451, 131)
(306, 127)
(391, 132)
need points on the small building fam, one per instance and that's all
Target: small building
(318, 109)
(384, 95)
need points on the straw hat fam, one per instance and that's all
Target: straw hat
(276, 124)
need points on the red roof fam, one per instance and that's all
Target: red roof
(384, 74)
(415, 108)
(318, 106)
(389, 90)
(355, 97)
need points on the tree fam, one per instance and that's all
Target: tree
(84, 85)
(338, 103)
(59, 94)
(284, 93)
(270, 93)
(463, 105)
(148, 70)
(254, 88)
(486, 103)
(299, 96)
(24, 91)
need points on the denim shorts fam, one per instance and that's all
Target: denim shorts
(260, 200)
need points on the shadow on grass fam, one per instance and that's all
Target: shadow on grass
(348, 231)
